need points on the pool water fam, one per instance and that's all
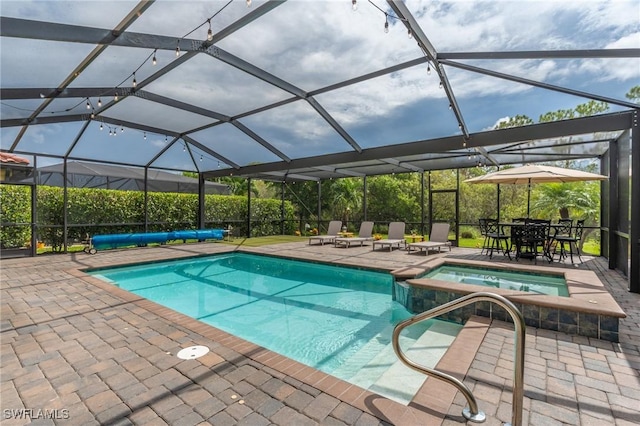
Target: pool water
(554, 285)
(336, 319)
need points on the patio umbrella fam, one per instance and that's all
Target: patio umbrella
(535, 173)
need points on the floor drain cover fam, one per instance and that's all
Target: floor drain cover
(193, 352)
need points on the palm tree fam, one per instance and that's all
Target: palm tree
(570, 200)
(346, 196)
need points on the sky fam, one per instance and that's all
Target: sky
(310, 44)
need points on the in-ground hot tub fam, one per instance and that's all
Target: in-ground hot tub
(589, 310)
(540, 283)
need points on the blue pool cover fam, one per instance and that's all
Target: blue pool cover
(101, 242)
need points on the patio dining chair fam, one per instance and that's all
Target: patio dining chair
(560, 231)
(498, 239)
(483, 232)
(572, 240)
(533, 242)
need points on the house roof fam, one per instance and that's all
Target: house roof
(8, 158)
(106, 176)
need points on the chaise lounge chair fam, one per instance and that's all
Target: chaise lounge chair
(332, 233)
(395, 237)
(438, 238)
(364, 235)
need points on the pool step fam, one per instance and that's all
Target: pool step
(401, 383)
(387, 376)
(360, 363)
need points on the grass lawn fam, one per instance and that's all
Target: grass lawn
(247, 242)
(590, 247)
(471, 242)
(263, 241)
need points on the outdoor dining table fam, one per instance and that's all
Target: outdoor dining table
(521, 224)
(515, 236)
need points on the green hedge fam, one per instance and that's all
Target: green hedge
(15, 207)
(104, 211)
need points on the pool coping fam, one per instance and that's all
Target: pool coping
(430, 404)
(586, 291)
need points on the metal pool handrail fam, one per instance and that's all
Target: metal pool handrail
(472, 412)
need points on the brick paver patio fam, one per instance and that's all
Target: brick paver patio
(75, 350)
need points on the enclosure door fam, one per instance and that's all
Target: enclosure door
(444, 208)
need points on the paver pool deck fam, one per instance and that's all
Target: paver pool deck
(75, 350)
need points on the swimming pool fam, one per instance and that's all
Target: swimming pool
(336, 319)
(554, 285)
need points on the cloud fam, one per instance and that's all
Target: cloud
(313, 44)
(498, 122)
(101, 14)
(627, 41)
(157, 141)
(525, 25)
(337, 44)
